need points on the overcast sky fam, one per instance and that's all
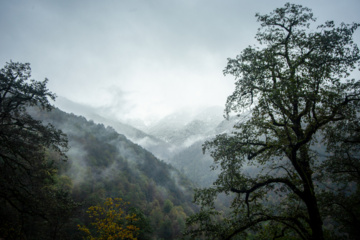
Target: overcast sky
(140, 58)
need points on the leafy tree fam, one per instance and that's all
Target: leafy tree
(111, 221)
(142, 223)
(168, 205)
(344, 168)
(302, 135)
(26, 170)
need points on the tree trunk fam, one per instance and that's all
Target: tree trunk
(304, 169)
(314, 215)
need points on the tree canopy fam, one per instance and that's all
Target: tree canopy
(29, 151)
(111, 221)
(301, 137)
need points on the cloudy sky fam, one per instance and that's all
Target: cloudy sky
(140, 58)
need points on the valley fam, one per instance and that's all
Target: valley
(176, 139)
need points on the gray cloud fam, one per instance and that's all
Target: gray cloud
(162, 54)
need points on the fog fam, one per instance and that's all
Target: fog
(139, 59)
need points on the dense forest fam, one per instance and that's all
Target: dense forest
(102, 163)
(57, 165)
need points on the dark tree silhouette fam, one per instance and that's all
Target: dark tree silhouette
(297, 84)
(28, 153)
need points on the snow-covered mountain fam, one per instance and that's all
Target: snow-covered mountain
(176, 139)
(185, 127)
(151, 143)
(186, 135)
(164, 138)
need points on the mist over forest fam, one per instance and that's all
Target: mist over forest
(164, 125)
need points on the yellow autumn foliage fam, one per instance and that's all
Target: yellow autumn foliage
(111, 221)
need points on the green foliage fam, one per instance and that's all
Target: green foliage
(31, 200)
(343, 167)
(168, 205)
(103, 163)
(142, 223)
(111, 221)
(297, 86)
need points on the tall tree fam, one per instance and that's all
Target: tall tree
(26, 169)
(304, 107)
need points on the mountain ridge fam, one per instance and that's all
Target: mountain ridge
(103, 163)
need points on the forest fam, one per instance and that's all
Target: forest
(53, 195)
(288, 168)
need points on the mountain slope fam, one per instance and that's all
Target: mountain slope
(151, 143)
(177, 138)
(103, 163)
